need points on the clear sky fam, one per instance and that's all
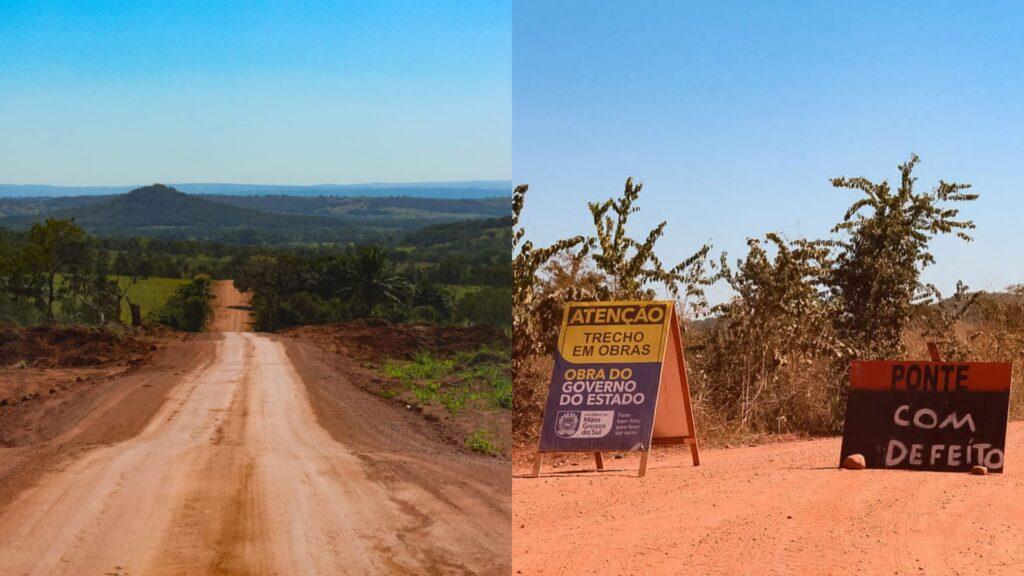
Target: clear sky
(105, 92)
(735, 115)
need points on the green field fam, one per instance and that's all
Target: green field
(457, 291)
(150, 294)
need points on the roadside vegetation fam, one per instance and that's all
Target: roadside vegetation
(430, 306)
(452, 278)
(188, 309)
(457, 378)
(472, 387)
(56, 273)
(473, 379)
(774, 358)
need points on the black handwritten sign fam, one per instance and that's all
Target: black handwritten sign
(940, 416)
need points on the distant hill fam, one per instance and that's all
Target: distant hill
(455, 232)
(447, 190)
(161, 211)
(430, 210)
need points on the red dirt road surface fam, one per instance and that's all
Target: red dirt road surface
(236, 473)
(230, 308)
(778, 509)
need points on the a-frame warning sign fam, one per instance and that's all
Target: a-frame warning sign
(619, 382)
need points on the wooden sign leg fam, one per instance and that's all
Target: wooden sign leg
(599, 460)
(643, 463)
(933, 351)
(536, 464)
(694, 452)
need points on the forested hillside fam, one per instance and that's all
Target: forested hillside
(162, 212)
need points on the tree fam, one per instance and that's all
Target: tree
(92, 295)
(189, 308)
(369, 280)
(272, 279)
(877, 276)
(55, 247)
(19, 278)
(767, 358)
(131, 264)
(488, 305)
(631, 266)
(20, 284)
(426, 294)
(527, 263)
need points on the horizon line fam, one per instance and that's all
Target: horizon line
(497, 181)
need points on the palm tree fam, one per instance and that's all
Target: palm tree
(369, 279)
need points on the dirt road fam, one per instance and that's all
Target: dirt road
(234, 475)
(780, 509)
(230, 308)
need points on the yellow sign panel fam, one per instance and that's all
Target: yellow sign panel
(619, 381)
(613, 333)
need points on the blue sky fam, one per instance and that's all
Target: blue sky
(255, 92)
(734, 115)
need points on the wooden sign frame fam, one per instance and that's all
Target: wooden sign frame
(672, 372)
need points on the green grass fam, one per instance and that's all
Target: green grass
(489, 365)
(388, 393)
(150, 294)
(481, 441)
(457, 291)
(477, 378)
(423, 367)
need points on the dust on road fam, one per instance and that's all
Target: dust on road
(779, 509)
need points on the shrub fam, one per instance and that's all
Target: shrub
(775, 357)
(768, 362)
(189, 308)
(424, 314)
(487, 306)
(481, 441)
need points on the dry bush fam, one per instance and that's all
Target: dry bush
(979, 327)
(609, 265)
(995, 333)
(530, 397)
(883, 246)
(770, 361)
(775, 358)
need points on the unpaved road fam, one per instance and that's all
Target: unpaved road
(779, 509)
(235, 475)
(230, 308)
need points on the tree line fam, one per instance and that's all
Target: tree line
(57, 273)
(467, 253)
(774, 357)
(291, 289)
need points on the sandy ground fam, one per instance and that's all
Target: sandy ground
(234, 474)
(777, 509)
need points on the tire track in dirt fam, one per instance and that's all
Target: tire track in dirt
(775, 509)
(459, 497)
(233, 476)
